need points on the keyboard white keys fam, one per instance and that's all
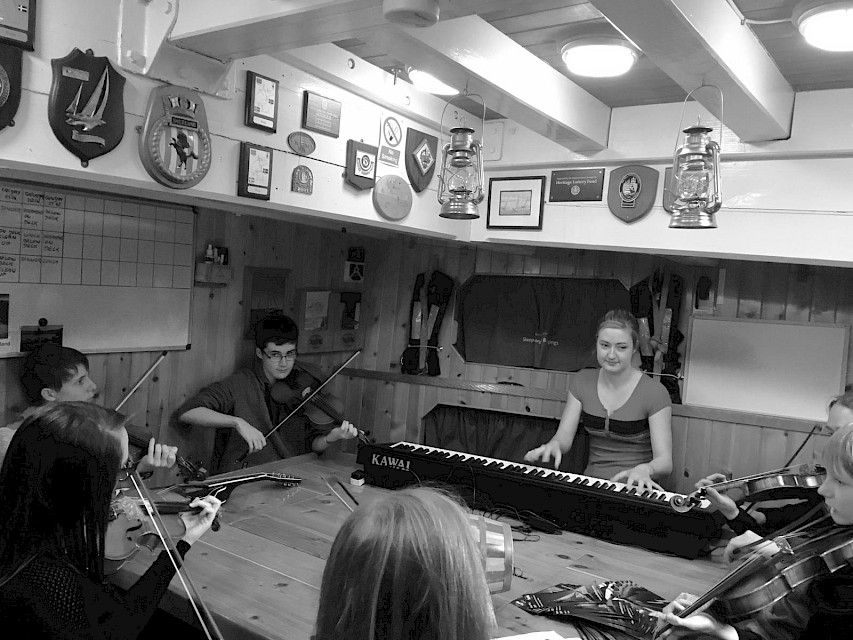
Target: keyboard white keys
(542, 472)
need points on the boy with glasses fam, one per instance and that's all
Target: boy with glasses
(243, 410)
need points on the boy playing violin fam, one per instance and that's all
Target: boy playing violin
(51, 373)
(244, 409)
(820, 608)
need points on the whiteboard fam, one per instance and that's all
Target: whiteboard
(115, 273)
(758, 366)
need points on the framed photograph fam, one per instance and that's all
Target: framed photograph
(321, 114)
(261, 102)
(255, 176)
(516, 203)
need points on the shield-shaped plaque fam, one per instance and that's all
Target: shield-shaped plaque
(421, 158)
(174, 144)
(86, 105)
(10, 84)
(632, 191)
(361, 164)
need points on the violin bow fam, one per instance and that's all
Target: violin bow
(305, 400)
(205, 617)
(139, 382)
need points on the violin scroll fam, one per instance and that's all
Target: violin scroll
(683, 504)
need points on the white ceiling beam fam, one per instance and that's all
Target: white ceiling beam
(334, 65)
(469, 52)
(226, 30)
(697, 42)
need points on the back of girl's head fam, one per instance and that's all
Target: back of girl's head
(405, 568)
(621, 319)
(56, 483)
(844, 400)
(838, 452)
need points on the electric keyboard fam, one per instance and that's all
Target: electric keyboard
(607, 510)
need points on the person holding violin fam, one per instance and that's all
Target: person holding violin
(626, 413)
(52, 373)
(246, 406)
(750, 527)
(56, 487)
(821, 608)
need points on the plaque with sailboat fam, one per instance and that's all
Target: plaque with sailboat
(86, 106)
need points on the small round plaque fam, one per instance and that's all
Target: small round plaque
(301, 143)
(392, 197)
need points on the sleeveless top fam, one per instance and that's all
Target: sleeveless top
(621, 440)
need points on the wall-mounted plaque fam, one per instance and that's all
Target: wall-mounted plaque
(261, 102)
(302, 180)
(301, 143)
(255, 175)
(321, 114)
(574, 185)
(361, 165)
(18, 23)
(632, 191)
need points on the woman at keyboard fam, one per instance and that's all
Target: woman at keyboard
(626, 413)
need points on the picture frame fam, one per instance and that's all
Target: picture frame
(516, 203)
(261, 102)
(321, 114)
(254, 179)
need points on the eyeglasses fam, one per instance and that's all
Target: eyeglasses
(290, 356)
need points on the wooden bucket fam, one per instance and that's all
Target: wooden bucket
(495, 542)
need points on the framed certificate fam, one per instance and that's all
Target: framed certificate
(261, 102)
(255, 175)
(321, 114)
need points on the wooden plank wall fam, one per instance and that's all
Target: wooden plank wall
(391, 409)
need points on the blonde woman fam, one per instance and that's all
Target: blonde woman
(405, 568)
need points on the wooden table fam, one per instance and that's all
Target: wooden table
(260, 574)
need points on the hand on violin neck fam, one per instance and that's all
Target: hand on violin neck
(723, 503)
(197, 524)
(160, 456)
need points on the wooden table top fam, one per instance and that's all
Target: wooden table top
(260, 574)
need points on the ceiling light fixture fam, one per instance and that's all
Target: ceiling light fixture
(427, 82)
(825, 25)
(599, 56)
(411, 13)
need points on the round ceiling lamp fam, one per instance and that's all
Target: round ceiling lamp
(825, 25)
(599, 56)
(411, 13)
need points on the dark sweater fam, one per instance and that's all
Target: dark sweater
(50, 599)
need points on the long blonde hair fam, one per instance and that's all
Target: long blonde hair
(405, 568)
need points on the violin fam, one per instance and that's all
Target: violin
(781, 484)
(760, 582)
(321, 410)
(129, 529)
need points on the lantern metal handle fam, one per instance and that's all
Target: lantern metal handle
(713, 152)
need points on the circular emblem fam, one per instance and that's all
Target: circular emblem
(4, 86)
(575, 190)
(301, 143)
(392, 197)
(181, 155)
(629, 188)
(392, 131)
